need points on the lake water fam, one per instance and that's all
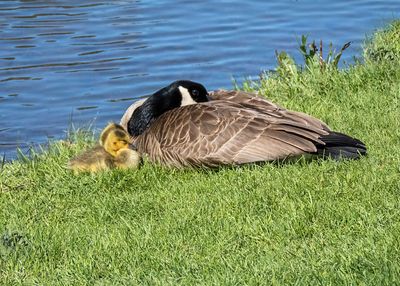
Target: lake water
(87, 61)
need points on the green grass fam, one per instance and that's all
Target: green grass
(317, 223)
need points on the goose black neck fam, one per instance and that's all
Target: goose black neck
(157, 104)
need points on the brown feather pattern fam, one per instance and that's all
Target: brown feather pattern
(235, 127)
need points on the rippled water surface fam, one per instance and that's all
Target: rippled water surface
(79, 61)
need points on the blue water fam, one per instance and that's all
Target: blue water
(86, 61)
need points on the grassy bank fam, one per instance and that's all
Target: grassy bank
(304, 223)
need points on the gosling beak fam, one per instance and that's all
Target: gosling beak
(133, 147)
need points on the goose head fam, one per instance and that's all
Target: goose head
(177, 94)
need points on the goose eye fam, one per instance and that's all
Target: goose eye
(195, 93)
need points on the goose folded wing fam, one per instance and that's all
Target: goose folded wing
(217, 133)
(262, 105)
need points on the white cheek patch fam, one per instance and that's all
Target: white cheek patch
(186, 98)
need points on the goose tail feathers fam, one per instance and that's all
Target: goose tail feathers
(341, 146)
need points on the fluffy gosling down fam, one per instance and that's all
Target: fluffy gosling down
(113, 151)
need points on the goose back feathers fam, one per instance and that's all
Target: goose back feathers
(237, 127)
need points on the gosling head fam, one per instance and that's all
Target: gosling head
(114, 138)
(177, 94)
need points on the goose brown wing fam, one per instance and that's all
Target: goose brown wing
(262, 105)
(224, 132)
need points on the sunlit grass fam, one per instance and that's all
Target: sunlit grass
(305, 223)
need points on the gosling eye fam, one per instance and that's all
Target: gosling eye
(115, 143)
(195, 93)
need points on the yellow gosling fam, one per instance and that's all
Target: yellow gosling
(113, 151)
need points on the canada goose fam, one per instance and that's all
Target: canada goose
(113, 151)
(232, 128)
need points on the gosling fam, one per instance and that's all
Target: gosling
(113, 151)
